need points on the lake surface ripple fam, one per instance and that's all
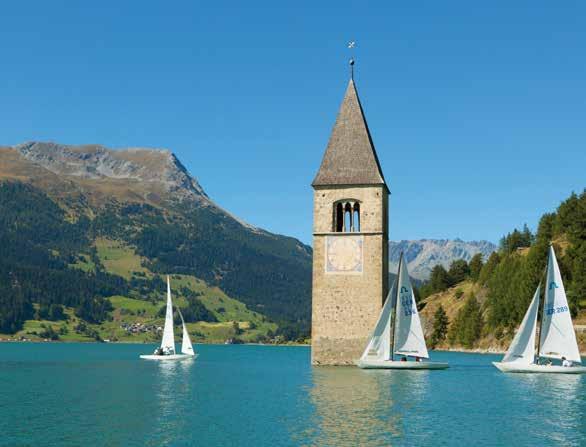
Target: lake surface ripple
(104, 395)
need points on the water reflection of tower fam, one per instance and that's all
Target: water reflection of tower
(366, 408)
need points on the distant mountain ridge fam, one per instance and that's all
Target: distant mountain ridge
(424, 254)
(151, 167)
(152, 175)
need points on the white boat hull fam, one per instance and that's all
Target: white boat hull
(395, 364)
(545, 369)
(168, 357)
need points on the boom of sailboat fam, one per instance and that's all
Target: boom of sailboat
(557, 338)
(167, 349)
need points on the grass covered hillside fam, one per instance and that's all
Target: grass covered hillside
(67, 286)
(480, 305)
(89, 234)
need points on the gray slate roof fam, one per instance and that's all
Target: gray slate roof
(350, 158)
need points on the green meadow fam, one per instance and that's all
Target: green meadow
(234, 319)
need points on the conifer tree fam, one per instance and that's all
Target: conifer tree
(440, 327)
(458, 272)
(439, 280)
(467, 327)
(488, 268)
(475, 266)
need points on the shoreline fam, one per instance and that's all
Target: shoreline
(308, 345)
(145, 343)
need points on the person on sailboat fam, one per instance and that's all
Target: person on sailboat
(566, 362)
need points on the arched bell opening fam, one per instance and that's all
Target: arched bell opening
(347, 216)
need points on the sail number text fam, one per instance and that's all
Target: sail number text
(556, 310)
(407, 304)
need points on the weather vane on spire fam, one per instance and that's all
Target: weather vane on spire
(351, 46)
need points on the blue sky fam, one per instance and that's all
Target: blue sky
(477, 110)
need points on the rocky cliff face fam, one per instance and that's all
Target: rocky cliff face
(154, 169)
(423, 255)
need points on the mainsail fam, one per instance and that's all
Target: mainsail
(168, 341)
(558, 338)
(522, 349)
(186, 346)
(408, 339)
(379, 344)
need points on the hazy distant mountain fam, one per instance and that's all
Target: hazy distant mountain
(422, 255)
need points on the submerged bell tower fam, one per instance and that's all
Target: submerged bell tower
(350, 239)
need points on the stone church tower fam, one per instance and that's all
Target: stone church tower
(350, 240)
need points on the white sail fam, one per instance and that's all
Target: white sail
(522, 349)
(379, 343)
(409, 338)
(186, 346)
(168, 341)
(558, 338)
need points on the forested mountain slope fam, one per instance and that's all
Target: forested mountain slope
(484, 303)
(60, 205)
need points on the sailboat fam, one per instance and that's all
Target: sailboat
(167, 349)
(398, 331)
(557, 339)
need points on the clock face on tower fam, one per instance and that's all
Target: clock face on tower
(344, 254)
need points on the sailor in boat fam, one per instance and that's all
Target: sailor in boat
(163, 351)
(566, 362)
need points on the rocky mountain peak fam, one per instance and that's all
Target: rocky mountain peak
(424, 254)
(155, 169)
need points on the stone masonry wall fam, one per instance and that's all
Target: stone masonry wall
(345, 307)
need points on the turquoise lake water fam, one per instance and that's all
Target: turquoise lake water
(104, 395)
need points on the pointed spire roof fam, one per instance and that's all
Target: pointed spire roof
(350, 158)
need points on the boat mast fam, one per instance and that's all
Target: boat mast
(540, 323)
(543, 308)
(394, 316)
